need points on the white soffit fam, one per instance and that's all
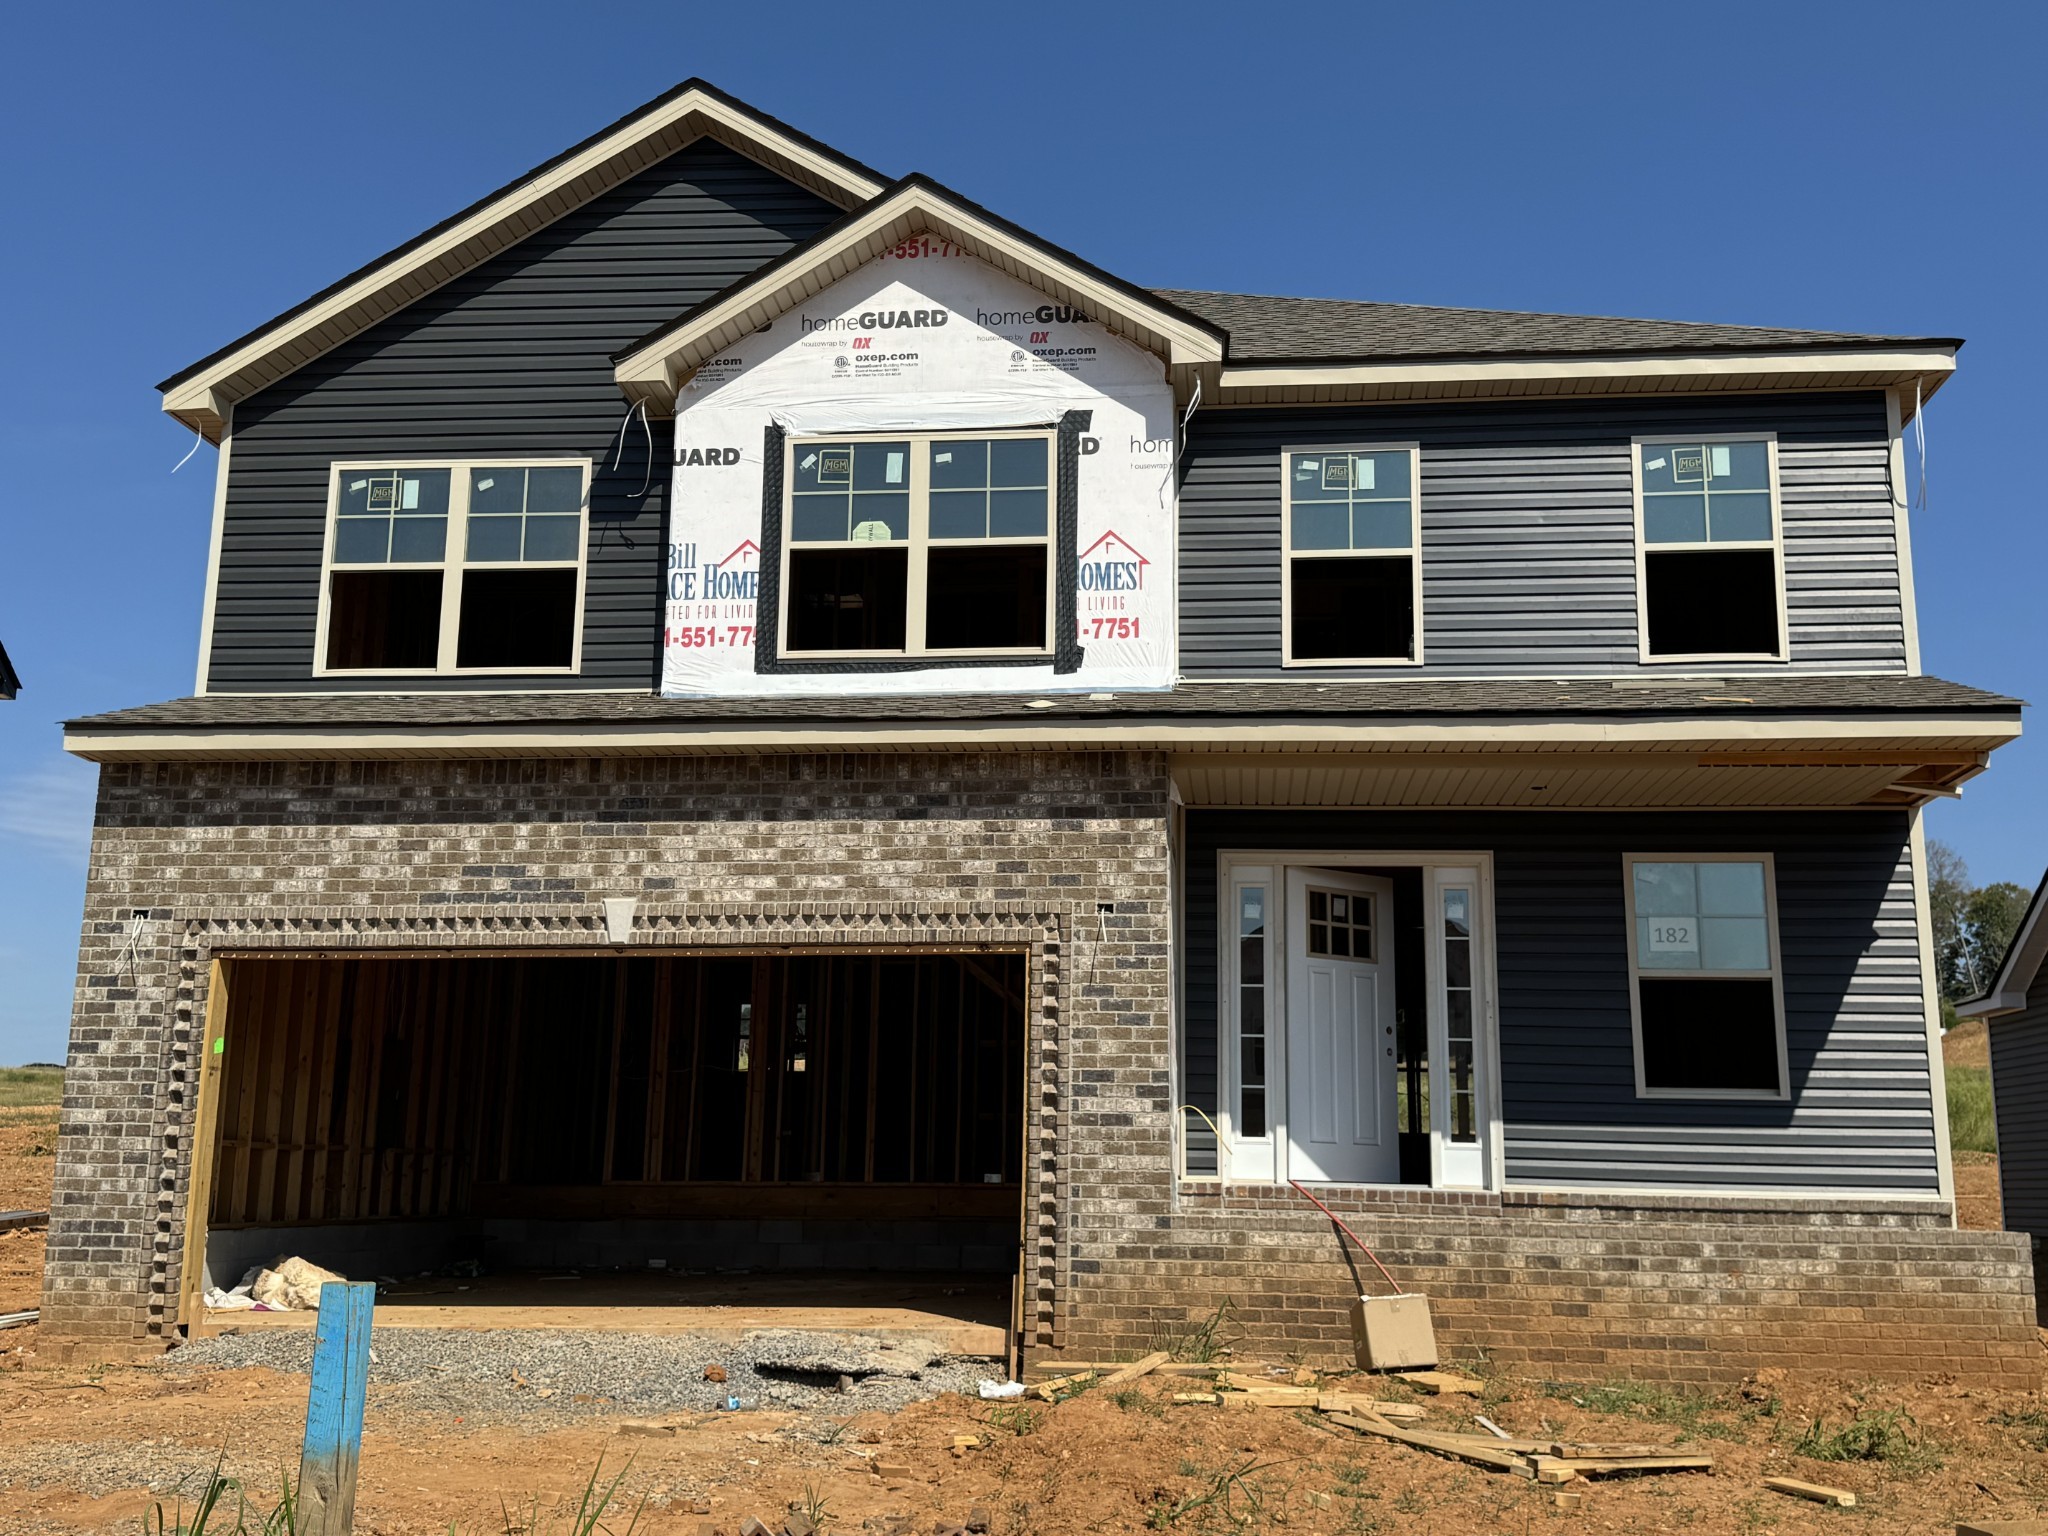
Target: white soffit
(655, 370)
(200, 399)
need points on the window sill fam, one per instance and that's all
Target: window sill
(1715, 658)
(1321, 662)
(1722, 1095)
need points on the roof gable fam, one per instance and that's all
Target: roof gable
(654, 368)
(201, 395)
(2021, 966)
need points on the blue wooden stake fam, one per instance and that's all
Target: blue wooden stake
(334, 1411)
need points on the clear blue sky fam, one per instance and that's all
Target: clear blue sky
(176, 174)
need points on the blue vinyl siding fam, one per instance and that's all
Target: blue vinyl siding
(512, 358)
(1528, 529)
(1861, 1115)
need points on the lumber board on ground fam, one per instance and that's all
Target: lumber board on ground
(1599, 1466)
(1129, 1373)
(1440, 1382)
(1459, 1447)
(1569, 1450)
(1051, 1389)
(1352, 1402)
(1819, 1493)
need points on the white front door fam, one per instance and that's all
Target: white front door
(1340, 1029)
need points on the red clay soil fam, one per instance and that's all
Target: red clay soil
(1093, 1464)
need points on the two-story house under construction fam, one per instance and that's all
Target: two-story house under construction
(753, 716)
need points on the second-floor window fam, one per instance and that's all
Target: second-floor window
(1710, 575)
(918, 545)
(1352, 584)
(468, 566)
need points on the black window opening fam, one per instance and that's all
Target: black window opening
(1711, 576)
(1707, 1004)
(498, 546)
(1351, 555)
(1711, 602)
(919, 545)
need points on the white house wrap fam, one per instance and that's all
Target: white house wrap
(924, 339)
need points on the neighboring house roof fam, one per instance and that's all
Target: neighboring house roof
(1268, 329)
(10, 684)
(2022, 964)
(1446, 352)
(652, 367)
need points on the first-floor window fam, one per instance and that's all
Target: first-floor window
(453, 567)
(919, 545)
(1353, 576)
(1710, 549)
(1709, 1009)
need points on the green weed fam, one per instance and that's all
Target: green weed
(1876, 1434)
(1131, 1400)
(1018, 1418)
(586, 1519)
(1230, 1493)
(1201, 1343)
(211, 1514)
(31, 1087)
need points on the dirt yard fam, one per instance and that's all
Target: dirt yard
(86, 1448)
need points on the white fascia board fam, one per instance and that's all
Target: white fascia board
(1083, 732)
(654, 371)
(200, 401)
(1591, 375)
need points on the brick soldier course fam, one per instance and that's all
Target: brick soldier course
(1063, 855)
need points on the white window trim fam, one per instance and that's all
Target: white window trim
(920, 542)
(1287, 553)
(1258, 1160)
(451, 564)
(1776, 545)
(1629, 861)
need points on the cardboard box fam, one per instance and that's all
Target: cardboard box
(1392, 1333)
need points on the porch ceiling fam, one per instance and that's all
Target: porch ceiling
(1689, 778)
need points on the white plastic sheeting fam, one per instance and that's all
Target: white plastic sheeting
(924, 339)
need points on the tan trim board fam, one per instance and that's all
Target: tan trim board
(655, 371)
(1396, 382)
(657, 737)
(1902, 529)
(1930, 1003)
(215, 540)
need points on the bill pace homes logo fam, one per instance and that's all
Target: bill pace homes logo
(1111, 576)
(735, 579)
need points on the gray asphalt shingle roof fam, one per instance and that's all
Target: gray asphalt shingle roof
(1277, 700)
(1269, 328)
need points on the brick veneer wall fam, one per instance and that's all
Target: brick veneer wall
(1062, 855)
(1693, 1289)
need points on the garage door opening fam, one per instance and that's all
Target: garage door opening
(792, 1139)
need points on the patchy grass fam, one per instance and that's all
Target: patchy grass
(1875, 1434)
(31, 1087)
(1971, 1127)
(2032, 1426)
